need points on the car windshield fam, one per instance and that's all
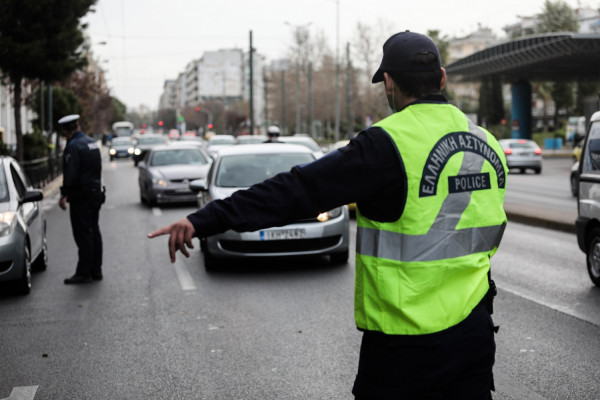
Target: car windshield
(522, 145)
(120, 141)
(221, 140)
(150, 140)
(244, 170)
(304, 142)
(178, 157)
(3, 188)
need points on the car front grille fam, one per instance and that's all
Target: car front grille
(279, 246)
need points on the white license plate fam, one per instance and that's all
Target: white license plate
(283, 234)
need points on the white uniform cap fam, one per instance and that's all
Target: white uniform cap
(273, 130)
(68, 118)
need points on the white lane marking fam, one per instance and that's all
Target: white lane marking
(185, 279)
(556, 307)
(156, 211)
(22, 393)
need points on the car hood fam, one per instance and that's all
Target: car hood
(184, 171)
(224, 192)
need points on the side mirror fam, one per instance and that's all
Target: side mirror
(198, 185)
(32, 195)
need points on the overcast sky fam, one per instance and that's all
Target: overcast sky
(149, 41)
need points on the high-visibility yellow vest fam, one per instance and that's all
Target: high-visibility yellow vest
(428, 270)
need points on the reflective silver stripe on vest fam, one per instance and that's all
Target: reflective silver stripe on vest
(456, 204)
(434, 245)
(429, 247)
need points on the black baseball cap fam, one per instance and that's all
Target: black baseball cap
(399, 51)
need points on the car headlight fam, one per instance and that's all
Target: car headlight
(112, 152)
(137, 152)
(7, 222)
(159, 180)
(326, 216)
(130, 150)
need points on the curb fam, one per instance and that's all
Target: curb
(540, 222)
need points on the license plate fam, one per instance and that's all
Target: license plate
(283, 234)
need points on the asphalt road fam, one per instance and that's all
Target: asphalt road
(277, 330)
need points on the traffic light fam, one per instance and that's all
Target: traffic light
(210, 126)
(160, 123)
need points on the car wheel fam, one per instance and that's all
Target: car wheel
(538, 171)
(522, 170)
(41, 262)
(574, 185)
(593, 256)
(111, 159)
(339, 258)
(24, 284)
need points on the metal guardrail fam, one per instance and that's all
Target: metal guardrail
(42, 171)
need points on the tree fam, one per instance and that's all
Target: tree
(64, 102)
(40, 39)
(557, 17)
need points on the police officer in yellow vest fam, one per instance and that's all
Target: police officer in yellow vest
(429, 186)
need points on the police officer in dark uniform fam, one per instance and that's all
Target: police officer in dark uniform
(273, 134)
(429, 186)
(82, 189)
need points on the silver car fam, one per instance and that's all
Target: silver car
(23, 244)
(522, 154)
(587, 224)
(241, 166)
(166, 171)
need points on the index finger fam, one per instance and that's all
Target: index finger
(165, 230)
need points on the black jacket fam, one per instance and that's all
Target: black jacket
(82, 165)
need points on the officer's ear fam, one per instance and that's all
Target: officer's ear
(443, 81)
(389, 84)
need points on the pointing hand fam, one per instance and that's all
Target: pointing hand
(180, 237)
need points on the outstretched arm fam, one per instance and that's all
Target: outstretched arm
(180, 237)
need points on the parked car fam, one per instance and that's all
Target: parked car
(217, 142)
(587, 224)
(303, 140)
(575, 129)
(574, 178)
(522, 154)
(239, 167)
(120, 147)
(166, 170)
(144, 143)
(23, 244)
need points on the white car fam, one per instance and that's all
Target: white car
(241, 166)
(587, 224)
(522, 154)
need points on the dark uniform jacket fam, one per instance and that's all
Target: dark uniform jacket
(82, 166)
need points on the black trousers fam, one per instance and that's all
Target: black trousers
(454, 364)
(85, 213)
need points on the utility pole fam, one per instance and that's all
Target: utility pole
(283, 122)
(297, 95)
(337, 72)
(349, 124)
(251, 88)
(310, 103)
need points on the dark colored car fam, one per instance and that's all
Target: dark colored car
(23, 244)
(145, 142)
(166, 171)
